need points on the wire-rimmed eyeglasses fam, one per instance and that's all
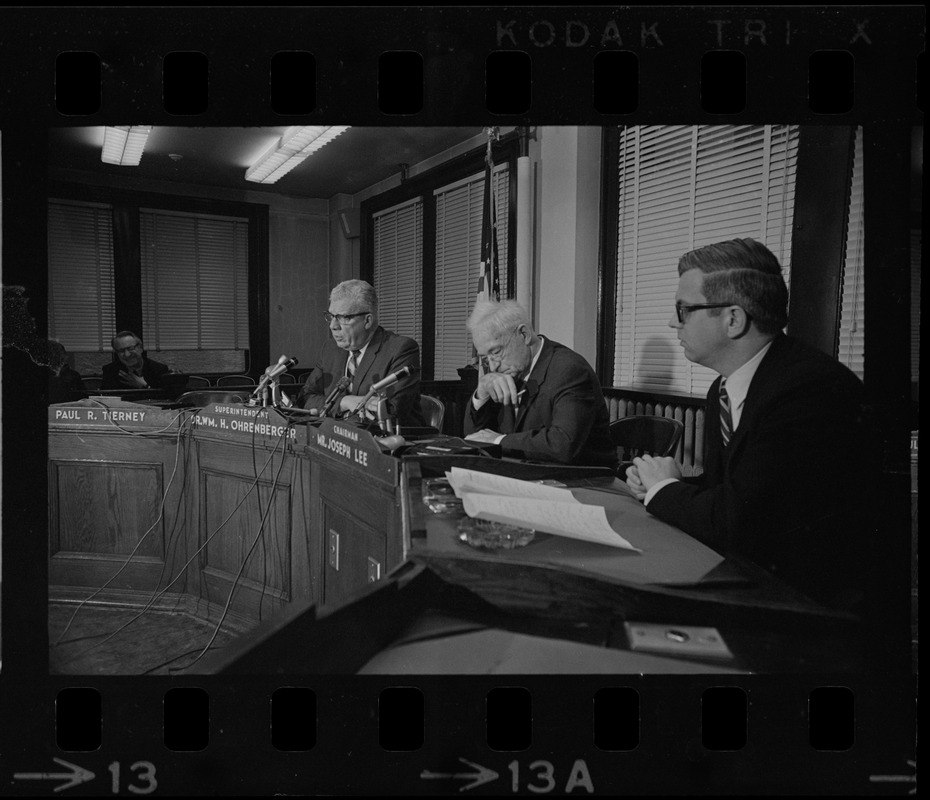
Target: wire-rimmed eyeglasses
(126, 350)
(342, 319)
(680, 308)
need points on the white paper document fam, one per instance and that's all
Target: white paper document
(564, 518)
(469, 480)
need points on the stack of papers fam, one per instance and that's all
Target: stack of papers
(527, 504)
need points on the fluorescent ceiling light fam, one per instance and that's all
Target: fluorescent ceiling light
(293, 147)
(123, 145)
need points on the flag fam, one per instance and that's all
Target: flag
(489, 280)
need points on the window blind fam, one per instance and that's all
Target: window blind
(398, 267)
(80, 275)
(195, 281)
(851, 349)
(682, 187)
(458, 259)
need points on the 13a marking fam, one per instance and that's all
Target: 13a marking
(542, 777)
(144, 775)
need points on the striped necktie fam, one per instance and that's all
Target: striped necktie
(726, 419)
(352, 367)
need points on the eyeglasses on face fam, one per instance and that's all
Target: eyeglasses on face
(126, 350)
(343, 319)
(681, 308)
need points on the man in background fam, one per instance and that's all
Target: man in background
(361, 353)
(537, 399)
(131, 368)
(784, 433)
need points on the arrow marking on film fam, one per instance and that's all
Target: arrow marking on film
(483, 775)
(73, 778)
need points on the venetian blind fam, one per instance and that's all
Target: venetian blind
(398, 267)
(851, 349)
(80, 275)
(682, 187)
(195, 281)
(458, 260)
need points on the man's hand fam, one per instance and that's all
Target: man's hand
(349, 402)
(652, 469)
(132, 380)
(485, 435)
(498, 386)
(634, 483)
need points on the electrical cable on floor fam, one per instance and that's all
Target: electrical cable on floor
(245, 561)
(161, 510)
(157, 595)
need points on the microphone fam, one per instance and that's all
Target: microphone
(338, 388)
(390, 380)
(273, 371)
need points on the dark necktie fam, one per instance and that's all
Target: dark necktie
(352, 367)
(726, 419)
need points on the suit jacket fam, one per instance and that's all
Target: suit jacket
(562, 417)
(787, 492)
(153, 372)
(387, 352)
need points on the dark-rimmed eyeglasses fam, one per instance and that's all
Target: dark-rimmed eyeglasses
(342, 319)
(681, 308)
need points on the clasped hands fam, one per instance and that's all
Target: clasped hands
(647, 471)
(131, 380)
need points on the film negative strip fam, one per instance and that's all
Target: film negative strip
(304, 706)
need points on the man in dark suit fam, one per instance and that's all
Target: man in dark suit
(131, 367)
(784, 433)
(362, 353)
(537, 399)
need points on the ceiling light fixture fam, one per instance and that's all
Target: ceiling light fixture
(124, 144)
(293, 147)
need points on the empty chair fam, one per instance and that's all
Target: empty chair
(637, 435)
(235, 380)
(197, 382)
(92, 382)
(433, 410)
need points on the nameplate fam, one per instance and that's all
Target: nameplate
(125, 415)
(353, 445)
(248, 424)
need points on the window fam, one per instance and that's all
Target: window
(398, 246)
(195, 272)
(678, 188)
(422, 247)
(459, 209)
(80, 275)
(851, 351)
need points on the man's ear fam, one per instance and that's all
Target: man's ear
(738, 322)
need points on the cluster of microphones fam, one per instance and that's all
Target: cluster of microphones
(339, 388)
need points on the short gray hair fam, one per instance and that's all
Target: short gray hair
(361, 292)
(498, 317)
(123, 335)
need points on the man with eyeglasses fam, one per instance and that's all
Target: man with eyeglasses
(537, 399)
(783, 432)
(360, 353)
(131, 368)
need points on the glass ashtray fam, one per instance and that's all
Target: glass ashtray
(489, 535)
(439, 497)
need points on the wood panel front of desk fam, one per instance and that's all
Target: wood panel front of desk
(248, 525)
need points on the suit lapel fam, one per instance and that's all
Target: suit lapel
(533, 381)
(371, 354)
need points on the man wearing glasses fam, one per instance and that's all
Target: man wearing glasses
(537, 399)
(131, 368)
(783, 431)
(360, 353)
